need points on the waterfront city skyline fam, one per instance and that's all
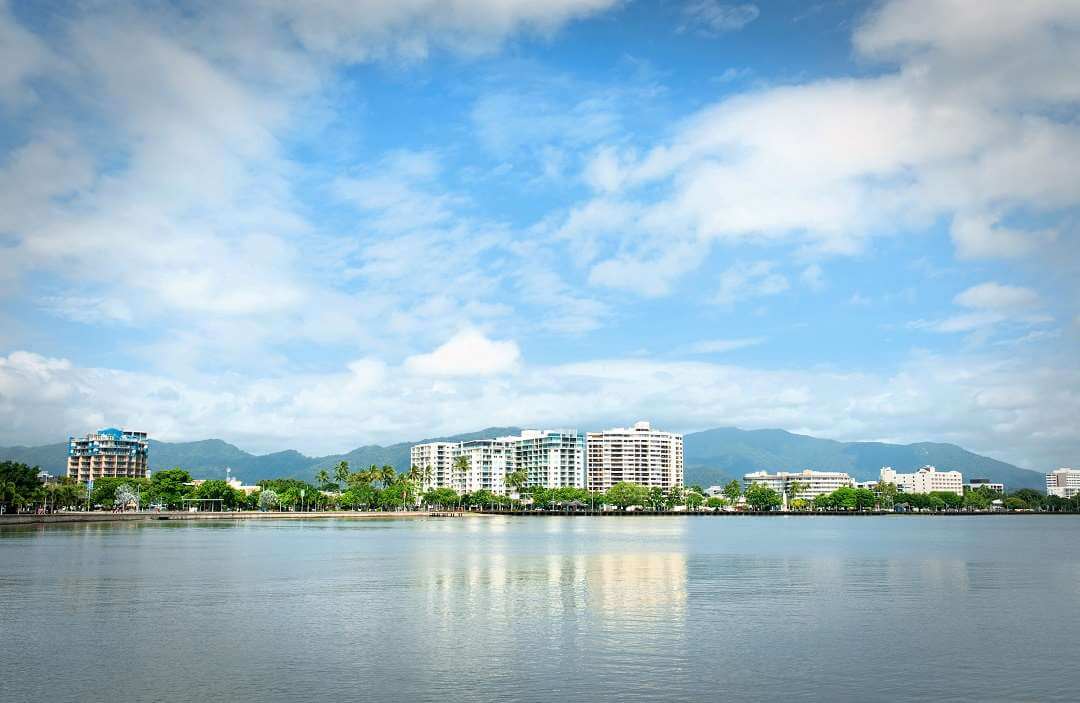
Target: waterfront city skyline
(331, 225)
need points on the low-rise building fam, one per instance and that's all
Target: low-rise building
(811, 484)
(108, 453)
(1063, 483)
(926, 480)
(977, 483)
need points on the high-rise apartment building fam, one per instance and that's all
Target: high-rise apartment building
(550, 458)
(926, 480)
(436, 456)
(108, 453)
(1063, 483)
(488, 460)
(638, 454)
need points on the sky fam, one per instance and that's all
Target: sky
(326, 224)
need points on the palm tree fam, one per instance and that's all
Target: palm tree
(9, 494)
(794, 488)
(461, 467)
(416, 479)
(323, 477)
(341, 472)
(387, 475)
(517, 480)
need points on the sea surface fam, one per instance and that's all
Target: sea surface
(544, 609)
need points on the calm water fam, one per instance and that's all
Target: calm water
(900, 608)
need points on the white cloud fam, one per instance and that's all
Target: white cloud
(991, 304)
(24, 57)
(995, 296)
(975, 130)
(711, 18)
(353, 31)
(978, 237)
(982, 404)
(162, 142)
(750, 280)
(719, 346)
(468, 353)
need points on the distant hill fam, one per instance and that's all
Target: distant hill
(209, 458)
(711, 457)
(715, 456)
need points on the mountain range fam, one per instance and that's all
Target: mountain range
(711, 457)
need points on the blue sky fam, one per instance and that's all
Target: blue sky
(316, 226)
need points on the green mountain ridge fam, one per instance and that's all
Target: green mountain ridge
(711, 457)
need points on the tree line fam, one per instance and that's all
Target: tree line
(384, 488)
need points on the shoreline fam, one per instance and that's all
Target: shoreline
(85, 517)
(76, 517)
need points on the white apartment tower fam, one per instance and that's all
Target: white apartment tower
(549, 458)
(437, 457)
(489, 461)
(926, 480)
(1063, 483)
(638, 454)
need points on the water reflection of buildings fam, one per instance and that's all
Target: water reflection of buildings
(504, 582)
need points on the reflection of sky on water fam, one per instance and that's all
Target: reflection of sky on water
(522, 609)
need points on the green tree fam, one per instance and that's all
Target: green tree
(516, 480)
(624, 494)
(65, 493)
(268, 499)
(733, 491)
(167, 487)
(794, 489)
(322, 477)
(19, 486)
(218, 490)
(341, 472)
(387, 475)
(949, 499)
(979, 498)
(715, 502)
(395, 496)
(656, 498)
(460, 468)
(104, 492)
(694, 500)
(359, 496)
(886, 493)
(1015, 503)
(864, 499)
(1033, 500)
(441, 497)
(676, 495)
(762, 498)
